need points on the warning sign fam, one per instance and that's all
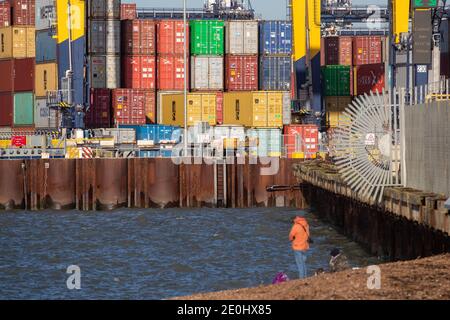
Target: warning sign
(370, 139)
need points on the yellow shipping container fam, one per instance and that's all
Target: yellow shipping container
(335, 118)
(337, 103)
(201, 107)
(46, 78)
(17, 42)
(254, 109)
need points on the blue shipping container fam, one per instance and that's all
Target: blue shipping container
(156, 133)
(275, 73)
(45, 46)
(149, 154)
(78, 62)
(275, 37)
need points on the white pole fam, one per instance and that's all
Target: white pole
(185, 78)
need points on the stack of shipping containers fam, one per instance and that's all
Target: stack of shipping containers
(17, 64)
(104, 49)
(46, 71)
(353, 66)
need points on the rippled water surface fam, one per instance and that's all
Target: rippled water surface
(154, 254)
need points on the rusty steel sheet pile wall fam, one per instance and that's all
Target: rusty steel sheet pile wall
(107, 184)
(408, 223)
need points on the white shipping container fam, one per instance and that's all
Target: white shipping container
(102, 9)
(207, 73)
(241, 37)
(105, 72)
(45, 117)
(104, 37)
(45, 13)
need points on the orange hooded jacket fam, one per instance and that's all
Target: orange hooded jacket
(299, 234)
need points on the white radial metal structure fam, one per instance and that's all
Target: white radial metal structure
(366, 145)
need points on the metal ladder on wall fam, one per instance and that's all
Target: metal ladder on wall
(220, 183)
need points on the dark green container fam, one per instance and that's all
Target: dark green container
(336, 80)
(207, 37)
(23, 109)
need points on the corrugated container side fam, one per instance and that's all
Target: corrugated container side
(367, 50)
(139, 72)
(241, 73)
(170, 72)
(301, 139)
(201, 107)
(99, 113)
(23, 12)
(170, 37)
(207, 73)
(105, 9)
(207, 37)
(138, 37)
(45, 13)
(6, 109)
(369, 78)
(336, 80)
(265, 142)
(104, 37)
(23, 109)
(275, 73)
(338, 51)
(241, 37)
(5, 14)
(275, 37)
(44, 117)
(133, 106)
(45, 46)
(105, 72)
(287, 110)
(219, 107)
(335, 119)
(336, 103)
(17, 42)
(128, 11)
(18, 75)
(46, 78)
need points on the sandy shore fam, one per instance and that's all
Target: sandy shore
(427, 278)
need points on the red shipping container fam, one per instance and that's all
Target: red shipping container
(367, 50)
(219, 107)
(128, 11)
(6, 109)
(338, 51)
(139, 37)
(23, 12)
(241, 73)
(19, 141)
(133, 106)
(369, 78)
(170, 35)
(99, 113)
(301, 138)
(139, 72)
(170, 73)
(5, 14)
(17, 75)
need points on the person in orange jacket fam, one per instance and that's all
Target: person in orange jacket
(299, 237)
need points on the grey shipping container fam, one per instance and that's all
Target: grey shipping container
(104, 71)
(45, 46)
(44, 117)
(207, 73)
(104, 37)
(45, 14)
(241, 37)
(104, 9)
(275, 73)
(287, 112)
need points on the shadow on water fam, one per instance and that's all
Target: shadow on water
(155, 254)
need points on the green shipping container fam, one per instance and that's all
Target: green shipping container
(207, 37)
(336, 80)
(23, 109)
